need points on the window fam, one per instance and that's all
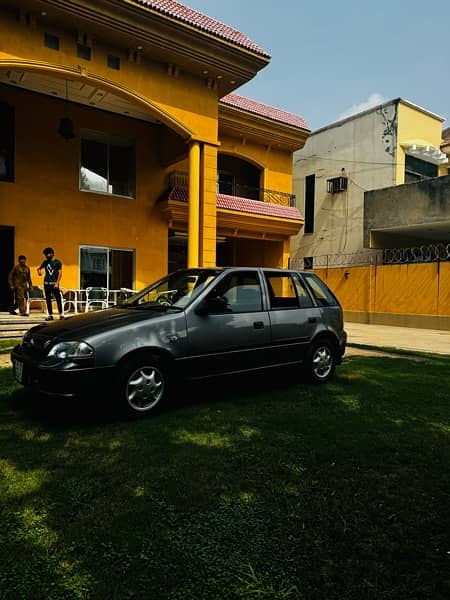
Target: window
(241, 291)
(106, 267)
(308, 262)
(417, 169)
(225, 183)
(320, 291)
(310, 184)
(83, 52)
(6, 142)
(51, 41)
(107, 165)
(286, 291)
(336, 185)
(113, 62)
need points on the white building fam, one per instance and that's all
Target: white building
(394, 143)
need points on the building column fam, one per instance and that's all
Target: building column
(286, 253)
(208, 206)
(194, 205)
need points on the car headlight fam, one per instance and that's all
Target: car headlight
(64, 350)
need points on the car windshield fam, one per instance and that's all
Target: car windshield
(176, 290)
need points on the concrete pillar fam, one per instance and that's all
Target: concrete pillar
(194, 205)
(208, 205)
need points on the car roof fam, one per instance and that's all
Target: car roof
(230, 268)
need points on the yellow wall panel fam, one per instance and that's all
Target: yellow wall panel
(403, 289)
(444, 289)
(407, 289)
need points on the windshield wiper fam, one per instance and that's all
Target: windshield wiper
(153, 306)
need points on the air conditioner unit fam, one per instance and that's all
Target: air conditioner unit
(337, 184)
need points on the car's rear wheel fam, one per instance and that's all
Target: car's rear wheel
(143, 385)
(321, 361)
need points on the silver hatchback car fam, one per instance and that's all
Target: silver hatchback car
(192, 324)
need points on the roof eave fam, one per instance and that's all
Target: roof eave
(191, 49)
(244, 123)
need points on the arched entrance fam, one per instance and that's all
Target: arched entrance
(92, 159)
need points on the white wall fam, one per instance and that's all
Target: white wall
(364, 145)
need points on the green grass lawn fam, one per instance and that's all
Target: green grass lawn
(6, 345)
(276, 491)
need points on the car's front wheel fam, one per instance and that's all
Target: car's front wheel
(143, 385)
(321, 361)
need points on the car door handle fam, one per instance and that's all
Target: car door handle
(312, 320)
(258, 325)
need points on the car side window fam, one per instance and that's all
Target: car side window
(303, 295)
(241, 291)
(286, 290)
(320, 291)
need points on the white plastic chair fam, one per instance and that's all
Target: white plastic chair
(96, 296)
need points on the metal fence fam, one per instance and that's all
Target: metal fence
(181, 179)
(325, 261)
(389, 256)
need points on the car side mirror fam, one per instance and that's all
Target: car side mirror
(212, 304)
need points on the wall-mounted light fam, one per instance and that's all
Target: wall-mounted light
(65, 128)
(347, 274)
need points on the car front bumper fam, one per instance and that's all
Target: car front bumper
(64, 379)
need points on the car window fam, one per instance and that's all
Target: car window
(241, 291)
(320, 291)
(286, 291)
(303, 295)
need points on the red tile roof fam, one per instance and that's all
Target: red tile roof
(183, 13)
(446, 135)
(257, 207)
(178, 193)
(265, 110)
(243, 205)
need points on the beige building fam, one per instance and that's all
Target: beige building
(377, 214)
(394, 143)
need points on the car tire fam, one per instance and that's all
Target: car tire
(143, 385)
(320, 363)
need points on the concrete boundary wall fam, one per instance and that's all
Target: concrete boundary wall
(408, 295)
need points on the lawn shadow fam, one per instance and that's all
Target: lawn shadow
(335, 491)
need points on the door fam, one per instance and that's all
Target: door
(6, 264)
(235, 336)
(293, 317)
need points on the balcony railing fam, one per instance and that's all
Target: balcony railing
(181, 179)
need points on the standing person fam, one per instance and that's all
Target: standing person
(19, 280)
(53, 272)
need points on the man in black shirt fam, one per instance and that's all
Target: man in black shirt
(53, 272)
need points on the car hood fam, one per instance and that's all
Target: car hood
(88, 324)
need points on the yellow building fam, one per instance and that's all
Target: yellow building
(124, 146)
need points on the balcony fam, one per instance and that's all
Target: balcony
(179, 179)
(239, 214)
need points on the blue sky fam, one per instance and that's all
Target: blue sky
(332, 57)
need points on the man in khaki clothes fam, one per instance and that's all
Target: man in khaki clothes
(19, 280)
